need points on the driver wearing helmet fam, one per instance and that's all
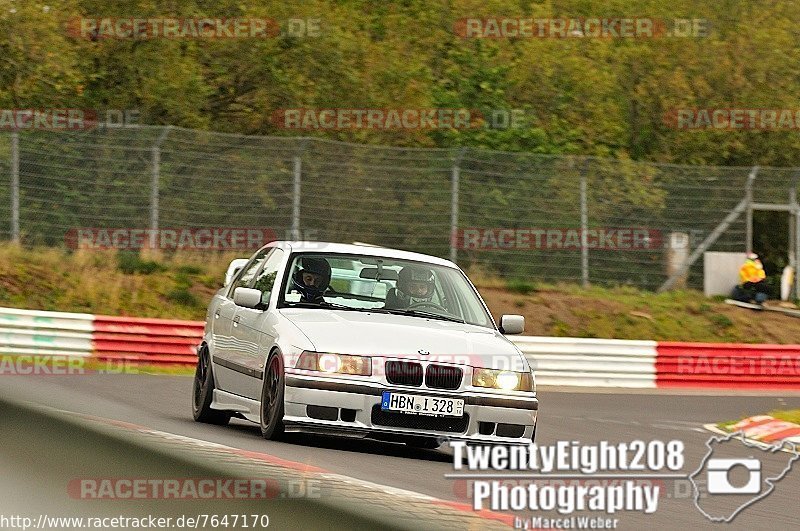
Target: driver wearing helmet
(312, 279)
(414, 285)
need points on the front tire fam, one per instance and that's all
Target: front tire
(203, 392)
(272, 393)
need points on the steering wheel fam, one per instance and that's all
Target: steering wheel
(428, 304)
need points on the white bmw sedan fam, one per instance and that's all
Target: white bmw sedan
(362, 341)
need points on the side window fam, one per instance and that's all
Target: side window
(249, 271)
(265, 281)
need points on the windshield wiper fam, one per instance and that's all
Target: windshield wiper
(420, 313)
(325, 305)
(411, 313)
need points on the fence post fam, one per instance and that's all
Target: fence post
(455, 178)
(797, 253)
(297, 181)
(796, 231)
(15, 187)
(584, 227)
(749, 221)
(154, 196)
(155, 181)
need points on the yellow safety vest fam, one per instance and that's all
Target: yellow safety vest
(752, 271)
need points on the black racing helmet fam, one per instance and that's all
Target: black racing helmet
(412, 278)
(318, 266)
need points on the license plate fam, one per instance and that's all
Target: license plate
(422, 405)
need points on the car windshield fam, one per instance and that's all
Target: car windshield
(374, 283)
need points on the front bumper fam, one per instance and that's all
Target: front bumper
(482, 412)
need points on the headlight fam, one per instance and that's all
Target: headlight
(335, 363)
(505, 380)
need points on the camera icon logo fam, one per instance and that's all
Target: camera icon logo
(719, 476)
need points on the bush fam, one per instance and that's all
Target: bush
(723, 321)
(130, 263)
(183, 297)
(520, 286)
(189, 270)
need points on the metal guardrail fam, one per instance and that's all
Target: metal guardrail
(557, 361)
(139, 339)
(590, 362)
(42, 333)
(741, 366)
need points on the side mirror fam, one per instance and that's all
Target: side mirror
(234, 268)
(512, 324)
(247, 297)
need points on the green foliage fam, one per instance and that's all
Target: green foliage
(789, 415)
(589, 96)
(130, 262)
(183, 297)
(722, 321)
(595, 97)
(520, 286)
(189, 269)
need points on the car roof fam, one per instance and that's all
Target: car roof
(369, 250)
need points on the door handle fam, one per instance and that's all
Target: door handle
(236, 321)
(216, 315)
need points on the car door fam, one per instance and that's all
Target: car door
(254, 327)
(224, 349)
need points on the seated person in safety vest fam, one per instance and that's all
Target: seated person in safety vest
(753, 284)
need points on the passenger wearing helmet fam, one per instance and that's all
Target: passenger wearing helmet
(312, 279)
(414, 285)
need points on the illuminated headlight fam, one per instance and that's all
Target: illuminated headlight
(335, 363)
(505, 380)
(329, 363)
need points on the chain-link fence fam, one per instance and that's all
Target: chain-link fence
(515, 215)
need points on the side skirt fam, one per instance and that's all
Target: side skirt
(246, 407)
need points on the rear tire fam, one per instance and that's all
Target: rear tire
(203, 392)
(272, 392)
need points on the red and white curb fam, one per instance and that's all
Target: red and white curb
(764, 431)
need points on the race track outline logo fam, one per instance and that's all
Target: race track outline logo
(718, 481)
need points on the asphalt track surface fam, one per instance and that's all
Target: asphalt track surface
(163, 403)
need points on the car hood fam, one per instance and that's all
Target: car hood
(399, 336)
